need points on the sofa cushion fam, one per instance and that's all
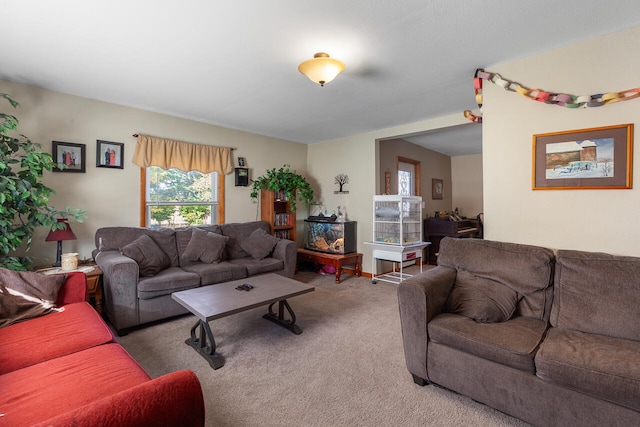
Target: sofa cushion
(254, 266)
(174, 399)
(604, 367)
(512, 343)
(205, 246)
(150, 257)
(114, 238)
(483, 300)
(259, 244)
(183, 237)
(25, 295)
(526, 269)
(217, 273)
(172, 279)
(66, 383)
(76, 328)
(597, 293)
(237, 232)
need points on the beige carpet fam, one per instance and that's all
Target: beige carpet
(345, 369)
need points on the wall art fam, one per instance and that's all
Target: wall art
(437, 189)
(109, 154)
(68, 156)
(595, 158)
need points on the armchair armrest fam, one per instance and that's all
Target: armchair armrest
(174, 399)
(74, 289)
(120, 279)
(420, 299)
(287, 251)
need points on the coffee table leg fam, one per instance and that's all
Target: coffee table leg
(199, 344)
(279, 317)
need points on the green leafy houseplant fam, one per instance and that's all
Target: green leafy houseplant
(286, 180)
(24, 199)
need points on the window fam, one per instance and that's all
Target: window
(404, 183)
(174, 198)
(408, 177)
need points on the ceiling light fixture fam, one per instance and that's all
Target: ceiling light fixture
(321, 69)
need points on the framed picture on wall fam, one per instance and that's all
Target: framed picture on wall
(584, 159)
(68, 156)
(437, 189)
(109, 154)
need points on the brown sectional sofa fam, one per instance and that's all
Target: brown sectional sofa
(550, 338)
(139, 291)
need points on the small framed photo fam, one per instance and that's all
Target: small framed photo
(110, 154)
(241, 162)
(595, 159)
(437, 189)
(68, 156)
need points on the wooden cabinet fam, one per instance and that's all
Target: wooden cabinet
(276, 210)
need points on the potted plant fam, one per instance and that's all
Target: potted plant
(24, 199)
(285, 180)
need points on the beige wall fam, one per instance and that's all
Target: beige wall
(594, 220)
(358, 156)
(432, 165)
(111, 196)
(466, 185)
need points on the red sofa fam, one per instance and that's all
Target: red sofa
(66, 368)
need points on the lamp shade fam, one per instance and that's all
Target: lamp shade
(59, 235)
(321, 69)
(64, 234)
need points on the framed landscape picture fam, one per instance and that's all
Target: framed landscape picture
(584, 159)
(110, 154)
(68, 156)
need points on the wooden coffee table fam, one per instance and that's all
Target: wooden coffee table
(223, 299)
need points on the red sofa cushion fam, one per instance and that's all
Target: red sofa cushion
(173, 399)
(39, 392)
(76, 328)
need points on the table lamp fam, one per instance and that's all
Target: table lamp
(59, 235)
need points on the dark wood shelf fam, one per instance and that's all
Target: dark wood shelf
(278, 214)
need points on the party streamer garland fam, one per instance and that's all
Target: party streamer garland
(560, 99)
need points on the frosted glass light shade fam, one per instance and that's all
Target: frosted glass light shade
(321, 69)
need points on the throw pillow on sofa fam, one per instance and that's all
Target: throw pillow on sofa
(259, 244)
(25, 295)
(481, 299)
(205, 246)
(150, 257)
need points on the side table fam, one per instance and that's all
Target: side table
(94, 285)
(335, 260)
(94, 280)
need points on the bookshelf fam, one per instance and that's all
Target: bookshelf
(275, 209)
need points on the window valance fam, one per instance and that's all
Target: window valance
(186, 156)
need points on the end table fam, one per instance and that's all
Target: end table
(94, 280)
(94, 285)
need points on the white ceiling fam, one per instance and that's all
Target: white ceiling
(234, 63)
(452, 141)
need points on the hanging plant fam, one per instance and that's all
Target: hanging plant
(285, 180)
(24, 199)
